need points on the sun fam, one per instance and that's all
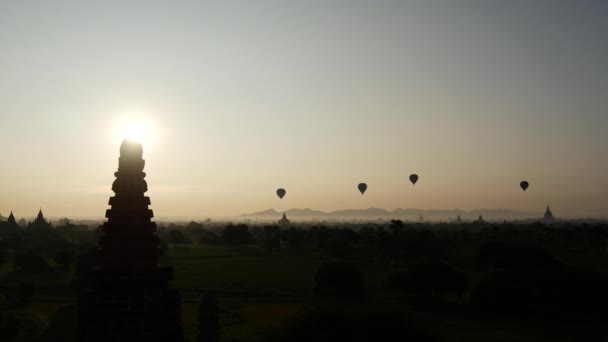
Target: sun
(135, 132)
(136, 127)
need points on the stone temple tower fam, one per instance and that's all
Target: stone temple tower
(127, 296)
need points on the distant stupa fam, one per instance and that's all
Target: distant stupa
(458, 219)
(480, 219)
(548, 215)
(283, 221)
(9, 226)
(127, 297)
(11, 219)
(40, 222)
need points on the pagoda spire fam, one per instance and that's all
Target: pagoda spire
(40, 216)
(548, 215)
(11, 218)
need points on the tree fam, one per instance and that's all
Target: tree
(430, 278)
(272, 237)
(337, 247)
(25, 292)
(208, 319)
(236, 234)
(339, 280)
(9, 326)
(4, 253)
(65, 257)
(30, 262)
(208, 237)
(176, 236)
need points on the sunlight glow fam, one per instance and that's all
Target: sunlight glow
(136, 127)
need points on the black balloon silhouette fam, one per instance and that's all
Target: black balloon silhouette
(524, 185)
(414, 178)
(281, 192)
(362, 187)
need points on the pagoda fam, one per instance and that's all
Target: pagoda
(548, 217)
(9, 226)
(40, 223)
(127, 297)
(11, 220)
(283, 221)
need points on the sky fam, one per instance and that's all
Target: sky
(236, 99)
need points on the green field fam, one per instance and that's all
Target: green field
(257, 290)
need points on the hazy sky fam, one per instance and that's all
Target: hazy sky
(314, 96)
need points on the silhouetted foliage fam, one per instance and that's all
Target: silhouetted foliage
(87, 260)
(272, 237)
(30, 262)
(4, 254)
(235, 234)
(333, 326)
(430, 278)
(337, 247)
(339, 280)
(500, 256)
(208, 237)
(177, 237)
(65, 257)
(25, 292)
(208, 319)
(543, 290)
(164, 246)
(9, 326)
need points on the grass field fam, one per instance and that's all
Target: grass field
(257, 289)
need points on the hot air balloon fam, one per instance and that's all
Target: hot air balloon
(281, 192)
(362, 187)
(524, 185)
(414, 178)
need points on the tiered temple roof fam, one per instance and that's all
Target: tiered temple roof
(127, 296)
(129, 240)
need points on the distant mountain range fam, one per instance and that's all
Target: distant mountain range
(401, 214)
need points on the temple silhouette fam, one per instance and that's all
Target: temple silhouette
(284, 221)
(39, 222)
(548, 217)
(126, 296)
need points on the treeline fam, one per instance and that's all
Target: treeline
(504, 268)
